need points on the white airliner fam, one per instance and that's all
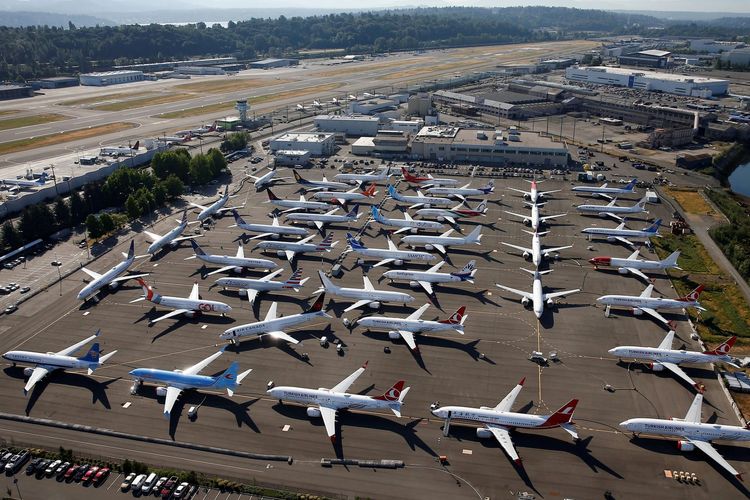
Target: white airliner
(325, 402)
(317, 185)
(371, 176)
(634, 265)
(692, 432)
(366, 296)
(264, 230)
(112, 277)
(645, 303)
(274, 325)
(355, 194)
(440, 243)
(266, 180)
(535, 253)
(463, 191)
(172, 238)
(187, 306)
(405, 224)
(535, 220)
(253, 286)
(44, 363)
(428, 181)
(500, 420)
(197, 131)
(391, 254)
(612, 210)
(537, 297)
(175, 139)
(292, 205)
(621, 234)
(217, 207)
(452, 214)
(605, 191)
(418, 201)
(290, 249)
(176, 381)
(330, 217)
(665, 357)
(119, 150)
(317, 104)
(408, 327)
(229, 263)
(425, 279)
(533, 194)
(23, 183)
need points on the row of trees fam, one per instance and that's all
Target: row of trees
(733, 238)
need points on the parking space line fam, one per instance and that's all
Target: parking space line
(114, 481)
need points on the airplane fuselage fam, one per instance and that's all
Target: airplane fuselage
(332, 195)
(272, 325)
(372, 295)
(424, 200)
(269, 228)
(491, 416)
(404, 255)
(452, 191)
(172, 378)
(648, 302)
(625, 233)
(288, 245)
(104, 279)
(213, 208)
(253, 284)
(228, 260)
(689, 430)
(166, 239)
(599, 209)
(648, 265)
(332, 218)
(410, 325)
(417, 224)
(192, 304)
(325, 397)
(423, 240)
(306, 205)
(55, 361)
(421, 276)
(667, 355)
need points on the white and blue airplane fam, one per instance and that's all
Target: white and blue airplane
(111, 277)
(252, 286)
(23, 183)
(176, 381)
(229, 263)
(266, 180)
(330, 217)
(172, 238)
(605, 191)
(621, 234)
(612, 210)
(294, 205)
(46, 362)
(405, 224)
(425, 279)
(391, 254)
(217, 207)
(418, 201)
(537, 297)
(290, 249)
(264, 230)
(316, 185)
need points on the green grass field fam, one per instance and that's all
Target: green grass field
(26, 121)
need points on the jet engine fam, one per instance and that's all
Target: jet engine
(525, 301)
(174, 244)
(440, 218)
(398, 262)
(313, 412)
(237, 269)
(275, 236)
(393, 335)
(622, 270)
(242, 292)
(546, 255)
(429, 247)
(637, 312)
(114, 285)
(413, 230)
(527, 222)
(190, 314)
(414, 284)
(280, 253)
(483, 433)
(657, 367)
(374, 305)
(28, 371)
(611, 239)
(685, 446)
(550, 302)
(161, 391)
(526, 255)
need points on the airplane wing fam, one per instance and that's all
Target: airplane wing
(38, 374)
(654, 314)
(195, 292)
(329, 420)
(383, 262)
(605, 196)
(450, 219)
(93, 275)
(625, 240)
(560, 294)
(278, 334)
(638, 273)
(202, 207)
(614, 216)
(709, 450)
(271, 314)
(357, 304)
(367, 284)
(128, 277)
(290, 255)
(667, 342)
(507, 403)
(678, 371)
(427, 286)
(418, 313)
(550, 192)
(183, 238)
(259, 236)
(518, 190)
(517, 292)
(319, 225)
(439, 248)
(70, 350)
(151, 236)
(694, 412)
(408, 338)
(171, 314)
(646, 294)
(503, 437)
(220, 270)
(547, 217)
(557, 249)
(172, 394)
(196, 368)
(251, 295)
(344, 385)
(517, 215)
(403, 229)
(523, 249)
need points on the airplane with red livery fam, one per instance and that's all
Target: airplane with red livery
(428, 181)
(187, 306)
(645, 303)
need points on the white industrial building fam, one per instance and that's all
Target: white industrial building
(317, 144)
(737, 57)
(371, 106)
(649, 80)
(353, 125)
(407, 126)
(712, 46)
(111, 78)
(291, 157)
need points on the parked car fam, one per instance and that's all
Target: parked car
(125, 485)
(101, 476)
(89, 475)
(80, 472)
(31, 468)
(5, 457)
(41, 467)
(137, 483)
(70, 473)
(17, 462)
(25, 289)
(181, 491)
(61, 469)
(168, 486)
(159, 484)
(148, 484)
(51, 468)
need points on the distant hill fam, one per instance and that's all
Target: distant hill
(19, 19)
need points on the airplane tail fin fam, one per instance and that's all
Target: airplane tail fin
(457, 318)
(183, 221)
(356, 245)
(631, 185)
(370, 191)
(136, 145)
(475, 236)
(230, 379)
(196, 248)
(482, 207)
(131, 250)
(642, 202)
(468, 271)
(694, 295)
(148, 292)
(294, 280)
(724, 348)
(392, 394)
(317, 306)
(271, 196)
(354, 211)
(93, 355)
(326, 243)
(562, 416)
(375, 215)
(489, 187)
(298, 177)
(671, 259)
(237, 218)
(654, 228)
(326, 282)
(407, 176)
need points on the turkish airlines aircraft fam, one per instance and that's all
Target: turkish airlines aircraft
(425, 279)
(634, 265)
(645, 303)
(366, 296)
(692, 432)
(273, 230)
(537, 297)
(426, 182)
(252, 287)
(665, 357)
(111, 277)
(188, 306)
(44, 363)
(172, 238)
(535, 252)
(499, 420)
(612, 210)
(534, 195)
(236, 263)
(176, 381)
(621, 234)
(326, 402)
(391, 254)
(407, 328)
(535, 220)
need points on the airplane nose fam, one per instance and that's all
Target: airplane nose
(613, 351)
(625, 424)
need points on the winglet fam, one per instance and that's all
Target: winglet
(364, 366)
(522, 381)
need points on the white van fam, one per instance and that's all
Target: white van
(137, 483)
(149, 483)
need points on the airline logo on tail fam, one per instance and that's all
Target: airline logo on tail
(294, 279)
(271, 196)
(370, 191)
(467, 272)
(93, 354)
(147, 290)
(457, 318)
(326, 243)
(562, 416)
(392, 394)
(318, 304)
(694, 295)
(653, 228)
(724, 348)
(237, 217)
(353, 242)
(631, 185)
(299, 178)
(196, 248)
(489, 187)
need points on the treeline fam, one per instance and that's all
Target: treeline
(733, 238)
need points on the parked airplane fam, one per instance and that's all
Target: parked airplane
(452, 214)
(176, 381)
(535, 253)
(187, 306)
(24, 183)
(366, 296)
(533, 194)
(428, 181)
(290, 249)
(605, 191)
(273, 230)
(112, 277)
(120, 150)
(407, 328)
(323, 184)
(355, 194)
(175, 139)
(317, 104)
(621, 234)
(292, 205)
(440, 243)
(391, 254)
(253, 286)
(44, 363)
(405, 224)
(197, 131)
(326, 402)
(419, 200)
(645, 303)
(274, 325)
(612, 210)
(634, 265)
(500, 420)
(266, 180)
(535, 220)
(172, 238)
(217, 207)
(537, 297)
(425, 279)
(692, 433)
(665, 357)
(463, 191)
(320, 220)
(229, 263)
(371, 176)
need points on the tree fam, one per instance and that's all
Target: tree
(176, 162)
(174, 186)
(27, 226)
(78, 208)
(11, 236)
(62, 213)
(93, 226)
(107, 223)
(132, 207)
(160, 194)
(217, 161)
(200, 169)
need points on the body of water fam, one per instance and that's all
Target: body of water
(739, 181)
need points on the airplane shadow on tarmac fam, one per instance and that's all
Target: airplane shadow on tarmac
(266, 341)
(628, 313)
(692, 372)
(58, 377)
(211, 319)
